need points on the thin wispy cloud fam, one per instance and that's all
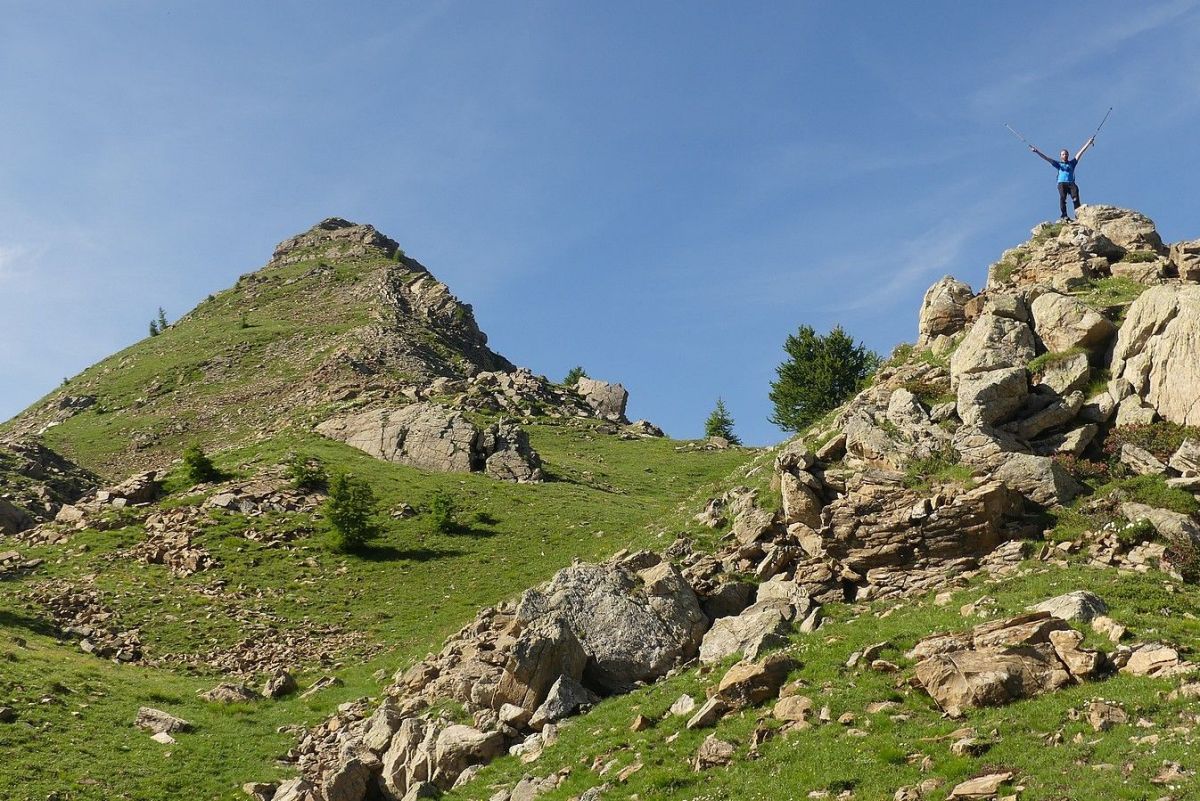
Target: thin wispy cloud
(1057, 65)
(10, 262)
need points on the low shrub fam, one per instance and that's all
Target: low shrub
(1162, 438)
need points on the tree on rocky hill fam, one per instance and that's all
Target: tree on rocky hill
(720, 424)
(573, 376)
(821, 372)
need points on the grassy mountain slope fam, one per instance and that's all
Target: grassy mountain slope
(338, 314)
(338, 319)
(399, 601)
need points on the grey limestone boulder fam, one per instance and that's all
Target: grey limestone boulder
(433, 437)
(992, 343)
(1128, 229)
(1081, 606)
(633, 626)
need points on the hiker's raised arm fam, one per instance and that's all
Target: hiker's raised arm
(1085, 147)
(1042, 155)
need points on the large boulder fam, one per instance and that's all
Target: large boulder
(1081, 606)
(423, 435)
(1128, 229)
(634, 626)
(1001, 661)
(1040, 479)
(748, 634)
(545, 651)
(508, 454)
(1063, 323)
(943, 310)
(459, 747)
(993, 343)
(607, 400)
(1157, 354)
(432, 437)
(988, 397)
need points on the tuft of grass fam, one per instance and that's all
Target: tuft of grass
(942, 467)
(1139, 256)
(1105, 293)
(1040, 363)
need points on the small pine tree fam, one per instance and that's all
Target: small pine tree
(350, 510)
(243, 322)
(573, 376)
(443, 510)
(197, 466)
(720, 424)
(821, 372)
(153, 328)
(162, 320)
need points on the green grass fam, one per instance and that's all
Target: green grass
(1040, 363)
(1139, 256)
(828, 758)
(1085, 514)
(1003, 270)
(1105, 293)
(943, 467)
(405, 593)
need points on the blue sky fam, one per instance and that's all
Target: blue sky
(658, 191)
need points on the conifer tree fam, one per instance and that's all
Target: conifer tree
(720, 424)
(821, 372)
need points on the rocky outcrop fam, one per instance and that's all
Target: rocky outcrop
(608, 400)
(37, 482)
(943, 311)
(879, 523)
(1157, 354)
(633, 625)
(1129, 230)
(1185, 258)
(1002, 661)
(432, 437)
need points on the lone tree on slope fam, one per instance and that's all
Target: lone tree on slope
(820, 373)
(720, 424)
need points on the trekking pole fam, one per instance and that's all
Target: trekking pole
(1101, 125)
(1014, 133)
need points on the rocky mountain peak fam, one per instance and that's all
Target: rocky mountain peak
(332, 239)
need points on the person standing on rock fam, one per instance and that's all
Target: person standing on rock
(1066, 175)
